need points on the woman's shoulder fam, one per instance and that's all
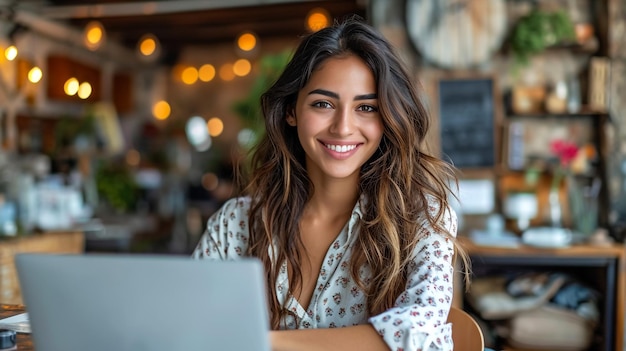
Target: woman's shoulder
(434, 205)
(236, 205)
(445, 216)
(238, 201)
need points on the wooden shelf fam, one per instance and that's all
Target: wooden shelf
(611, 259)
(584, 112)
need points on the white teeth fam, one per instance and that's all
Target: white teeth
(341, 148)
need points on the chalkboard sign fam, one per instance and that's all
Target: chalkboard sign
(466, 114)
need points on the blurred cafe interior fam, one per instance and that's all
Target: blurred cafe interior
(121, 122)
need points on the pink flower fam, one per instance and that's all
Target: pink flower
(565, 150)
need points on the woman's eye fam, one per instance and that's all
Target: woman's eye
(321, 104)
(367, 108)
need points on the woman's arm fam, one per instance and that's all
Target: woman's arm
(418, 321)
(360, 337)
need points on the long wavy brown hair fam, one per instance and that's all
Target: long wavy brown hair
(396, 180)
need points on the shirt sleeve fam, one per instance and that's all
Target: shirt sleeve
(226, 234)
(418, 319)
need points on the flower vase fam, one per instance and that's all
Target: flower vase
(554, 204)
(583, 204)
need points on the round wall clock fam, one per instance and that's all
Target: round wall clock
(456, 33)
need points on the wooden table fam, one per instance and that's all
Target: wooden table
(24, 341)
(70, 242)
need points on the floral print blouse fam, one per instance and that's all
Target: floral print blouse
(416, 322)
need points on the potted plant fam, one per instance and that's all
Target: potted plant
(539, 30)
(249, 108)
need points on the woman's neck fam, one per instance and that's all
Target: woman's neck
(332, 200)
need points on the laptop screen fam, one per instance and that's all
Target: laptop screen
(143, 302)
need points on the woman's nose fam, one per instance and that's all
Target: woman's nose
(343, 122)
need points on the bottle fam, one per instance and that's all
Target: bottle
(573, 95)
(8, 227)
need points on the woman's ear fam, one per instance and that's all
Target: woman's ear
(291, 120)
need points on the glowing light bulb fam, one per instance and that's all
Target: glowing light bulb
(317, 19)
(94, 35)
(35, 74)
(71, 86)
(190, 75)
(206, 73)
(161, 110)
(242, 67)
(246, 41)
(149, 47)
(10, 53)
(84, 90)
(215, 126)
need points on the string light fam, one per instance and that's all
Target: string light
(94, 35)
(149, 47)
(11, 53)
(189, 75)
(84, 90)
(161, 110)
(215, 126)
(247, 41)
(206, 73)
(242, 67)
(318, 18)
(71, 86)
(35, 74)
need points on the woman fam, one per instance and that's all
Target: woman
(344, 208)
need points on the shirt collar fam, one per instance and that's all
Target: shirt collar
(356, 216)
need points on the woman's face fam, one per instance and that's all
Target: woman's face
(337, 119)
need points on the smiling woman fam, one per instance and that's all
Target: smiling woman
(345, 209)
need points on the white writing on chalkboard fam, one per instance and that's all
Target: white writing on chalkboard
(466, 112)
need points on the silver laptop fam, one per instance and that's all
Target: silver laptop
(111, 302)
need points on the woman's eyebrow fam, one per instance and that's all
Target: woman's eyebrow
(366, 97)
(336, 96)
(324, 92)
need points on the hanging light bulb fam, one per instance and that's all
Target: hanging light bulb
(242, 67)
(161, 110)
(94, 35)
(215, 126)
(189, 75)
(35, 75)
(10, 53)
(149, 47)
(84, 90)
(246, 41)
(71, 86)
(206, 72)
(318, 18)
